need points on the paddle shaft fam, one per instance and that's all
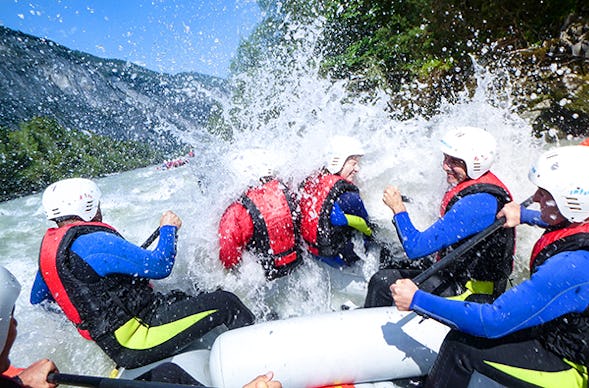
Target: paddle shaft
(151, 238)
(469, 244)
(104, 382)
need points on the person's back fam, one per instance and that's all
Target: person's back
(331, 207)
(262, 220)
(468, 207)
(101, 282)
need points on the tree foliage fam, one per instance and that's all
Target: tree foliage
(388, 42)
(41, 152)
(391, 41)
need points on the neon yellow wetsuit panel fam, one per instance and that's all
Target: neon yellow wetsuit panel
(137, 336)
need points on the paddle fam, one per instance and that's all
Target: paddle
(406, 199)
(151, 238)
(105, 382)
(469, 244)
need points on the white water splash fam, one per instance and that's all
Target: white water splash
(293, 111)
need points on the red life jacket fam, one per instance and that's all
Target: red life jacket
(317, 195)
(486, 183)
(95, 305)
(567, 335)
(492, 259)
(570, 238)
(272, 212)
(48, 267)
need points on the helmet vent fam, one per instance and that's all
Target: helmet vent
(573, 203)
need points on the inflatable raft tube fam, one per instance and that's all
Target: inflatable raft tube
(329, 349)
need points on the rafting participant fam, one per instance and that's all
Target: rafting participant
(536, 333)
(263, 220)
(35, 375)
(331, 206)
(102, 282)
(470, 205)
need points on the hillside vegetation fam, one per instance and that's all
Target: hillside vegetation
(421, 52)
(41, 152)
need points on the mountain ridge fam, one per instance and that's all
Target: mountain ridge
(111, 97)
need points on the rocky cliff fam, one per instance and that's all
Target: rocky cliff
(39, 77)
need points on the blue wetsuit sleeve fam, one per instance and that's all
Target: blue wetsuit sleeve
(531, 217)
(109, 254)
(337, 216)
(40, 291)
(557, 288)
(349, 210)
(350, 202)
(469, 215)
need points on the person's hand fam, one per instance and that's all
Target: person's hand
(512, 213)
(35, 376)
(264, 381)
(170, 218)
(403, 291)
(393, 199)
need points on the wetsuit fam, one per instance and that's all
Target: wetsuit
(535, 334)
(331, 209)
(467, 209)
(101, 282)
(263, 221)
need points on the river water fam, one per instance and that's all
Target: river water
(403, 153)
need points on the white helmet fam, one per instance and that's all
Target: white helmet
(338, 150)
(254, 163)
(72, 197)
(564, 174)
(475, 146)
(9, 290)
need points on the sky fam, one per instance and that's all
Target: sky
(169, 36)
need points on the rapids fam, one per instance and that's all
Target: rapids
(310, 108)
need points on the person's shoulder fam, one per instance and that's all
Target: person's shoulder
(234, 207)
(573, 255)
(567, 264)
(477, 199)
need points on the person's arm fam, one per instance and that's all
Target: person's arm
(531, 217)
(108, 254)
(468, 216)
(516, 214)
(557, 288)
(235, 231)
(349, 210)
(39, 291)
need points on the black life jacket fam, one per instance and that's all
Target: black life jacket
(568, 335)
(272, 211)
(492, 258)
(317, 195)
(96, 305)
